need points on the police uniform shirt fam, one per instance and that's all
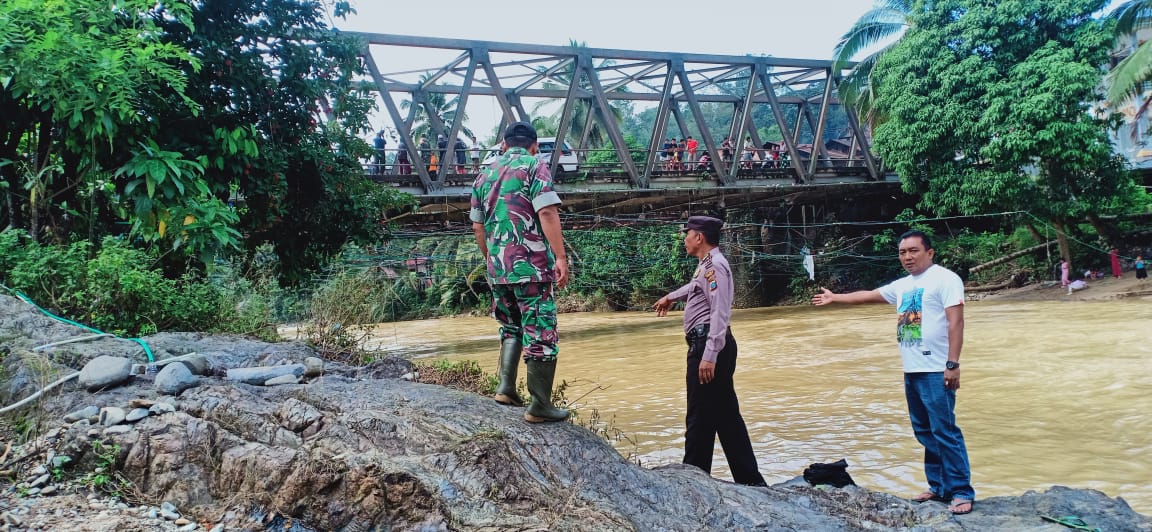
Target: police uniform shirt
(709, 301)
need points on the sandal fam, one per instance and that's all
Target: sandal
(927, 496)
(956, 505)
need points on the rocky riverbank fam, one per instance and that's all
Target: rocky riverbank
(344, 448)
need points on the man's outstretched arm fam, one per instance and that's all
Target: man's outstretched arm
(826, 297)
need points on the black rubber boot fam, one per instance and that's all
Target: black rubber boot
(540, 378)
(509, 362)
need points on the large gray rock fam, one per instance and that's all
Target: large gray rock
(197, 364)
(105, 372)
(259, 375)
(313, 367)
(175, 378)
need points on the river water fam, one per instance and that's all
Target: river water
(1052, 393)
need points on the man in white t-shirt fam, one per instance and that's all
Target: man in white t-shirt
(930, 332)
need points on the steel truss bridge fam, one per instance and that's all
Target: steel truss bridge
(585, 81)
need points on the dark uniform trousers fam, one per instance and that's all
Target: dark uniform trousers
(713, 409)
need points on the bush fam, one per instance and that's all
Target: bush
(120, 289)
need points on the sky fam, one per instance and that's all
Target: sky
(791, 29)
(807, 30)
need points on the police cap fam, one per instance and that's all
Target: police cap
(520, 129)
(703, 224)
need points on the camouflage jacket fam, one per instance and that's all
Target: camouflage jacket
(505, 198)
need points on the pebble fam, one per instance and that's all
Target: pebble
(41, 480)
(168, 506)
(218, 528)
(169, 515)
(48, 490)
(33, 491)
(92, 433)
(111, 415)
(141, 403)
(60, 461)
(153, 514)
(188, 527)
(136, 415)
(117, 429)
(11, 519)
(40, 470)
(84, 413)
(161, 408)
(181, 522)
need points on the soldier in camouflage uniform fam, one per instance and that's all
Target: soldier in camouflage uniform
(515, 215)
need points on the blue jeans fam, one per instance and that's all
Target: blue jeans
(931, 408)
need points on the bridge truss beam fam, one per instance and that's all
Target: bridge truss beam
(585, 82)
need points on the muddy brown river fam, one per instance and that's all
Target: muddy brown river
(1052, 393)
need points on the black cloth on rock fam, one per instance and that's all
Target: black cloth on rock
(835, 474)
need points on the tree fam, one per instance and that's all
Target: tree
(888, 20)
(993, 106)
(1128, 77)
(282, 125)
(444, 108)
(75, 79)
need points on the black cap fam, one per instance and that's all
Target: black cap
(520, 129)
(703, 224)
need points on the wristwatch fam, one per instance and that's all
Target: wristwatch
(951, 365)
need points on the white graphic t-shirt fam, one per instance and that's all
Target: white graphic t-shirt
(922, 327)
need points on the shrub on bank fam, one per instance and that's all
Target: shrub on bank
(120, 289)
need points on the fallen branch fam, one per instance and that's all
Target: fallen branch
(1010, 256)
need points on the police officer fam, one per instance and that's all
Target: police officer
(713, 408)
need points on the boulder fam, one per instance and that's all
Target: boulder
(313, 367)
(105, 372)
(175, 378)
(259, 375)
(197, 364)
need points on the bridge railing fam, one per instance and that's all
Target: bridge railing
(392, 166)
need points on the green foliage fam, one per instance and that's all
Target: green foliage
(1128, 77)
(627, 271)
(120, 289)
(1000, 118)
(103, 478)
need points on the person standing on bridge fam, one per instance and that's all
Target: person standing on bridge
(380, 144)
(515, 216)
(930, 332)
(713, 408)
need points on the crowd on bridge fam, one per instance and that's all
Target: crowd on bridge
(675, 155)
(680, 154)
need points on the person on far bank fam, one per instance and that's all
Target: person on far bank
(515, 217)
(930, 332)
(1141, 268)
(713, 408)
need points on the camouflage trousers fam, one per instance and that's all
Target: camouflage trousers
(528, 312)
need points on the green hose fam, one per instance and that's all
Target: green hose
(22, 297)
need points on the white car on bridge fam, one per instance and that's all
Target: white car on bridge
(569, 162)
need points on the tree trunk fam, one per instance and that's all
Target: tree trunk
(1062, 238)
(1008, 257)
(1035, 232)
(1103, 229)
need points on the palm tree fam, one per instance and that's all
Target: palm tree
(444, 108)
(1127, 79)
(581, 109)
(891, 18)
